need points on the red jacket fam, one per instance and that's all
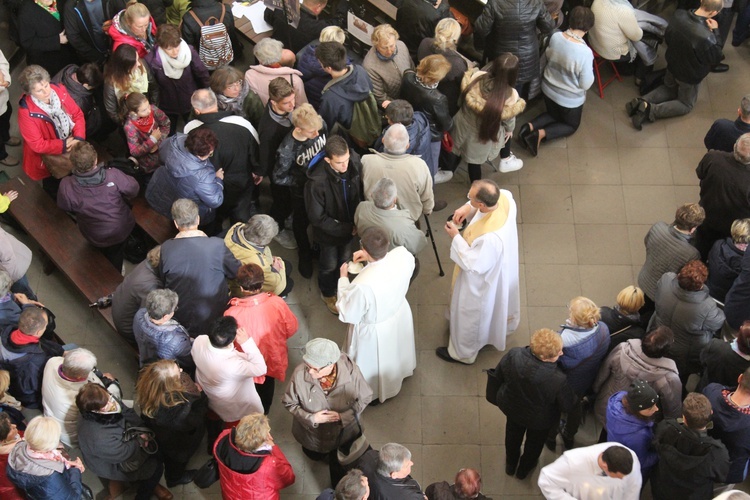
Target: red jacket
(120, 37)
(269, 321)
(274, 474)
(39, 134)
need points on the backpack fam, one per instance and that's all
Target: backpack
(215, 47)
(366, 122)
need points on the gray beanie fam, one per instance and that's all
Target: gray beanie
(320, 353)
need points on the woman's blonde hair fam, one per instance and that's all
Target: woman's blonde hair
(630, 299)
(583, 312)
(252, 431)
(447, 33)
(158, 387)
(135, 10)
(432, 69)
(382, 33)
(332, 34)
(305, 117)
(741, 231)
(4, 382)
(43, 434)
(545, 344)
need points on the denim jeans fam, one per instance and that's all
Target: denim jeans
(329, 262)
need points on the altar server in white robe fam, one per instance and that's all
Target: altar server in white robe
(485, 300)
(380, 339)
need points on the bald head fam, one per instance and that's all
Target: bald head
(204, 101)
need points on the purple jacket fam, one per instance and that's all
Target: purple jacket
(98, 200)
(175, 94)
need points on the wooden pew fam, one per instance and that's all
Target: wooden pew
(59, 238)
(158, 227)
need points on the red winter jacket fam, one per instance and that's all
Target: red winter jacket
(39, 134)
(269, 321)
(120, 37)
(274, 474)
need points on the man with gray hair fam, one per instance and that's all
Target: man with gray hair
(158, 335)
(63, 378)
(382, 211)
(725, 191)
(249, 242)
(410, 173)
(390, 478)
(197, 268)
(238, 154)
(724, 133)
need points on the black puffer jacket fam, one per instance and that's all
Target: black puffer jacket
(692, 48)
(179, 429)
(331, 199)
(511, 26)
(532, 392)
(724, 265)
(416, 20)
(431, 102)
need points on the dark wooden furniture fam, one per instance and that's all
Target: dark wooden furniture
(59, 238)
(158, 227)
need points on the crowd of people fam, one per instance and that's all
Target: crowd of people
(349, 147)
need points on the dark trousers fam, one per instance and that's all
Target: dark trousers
(558, 121)
(329, 262)
(5, 131)
(281, 207)
(475, 171)
(51, 186)
(299, 226)
(239, 204)
(173, 119)
(114, 254)
(173, 470)
(146, 487)
(23, 286)
(705, 237)
(742, 27)
(265, 392)
(535, 438)
(572, 421)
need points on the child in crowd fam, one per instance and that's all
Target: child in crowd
(145, 127)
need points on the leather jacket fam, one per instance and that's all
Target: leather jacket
(692, 48)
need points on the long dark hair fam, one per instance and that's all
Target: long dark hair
(499, 82)
(118, 68)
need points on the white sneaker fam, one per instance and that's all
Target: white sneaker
(510, 164)
(443, 176)
(286, 239)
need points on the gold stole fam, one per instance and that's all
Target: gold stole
(488, 224)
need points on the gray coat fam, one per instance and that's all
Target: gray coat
(130, 295)
(397, 223)
(667, 250)
(692, 316)
(304, 397)
(628, 363)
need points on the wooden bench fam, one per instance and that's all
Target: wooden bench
(158, 227)
(56, 233)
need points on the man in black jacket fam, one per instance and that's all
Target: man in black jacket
(332, 194)
(311, 23)
(238, 154)
(416, 20)
(689, 460)
(83, 20)
(693, 48)
(391, 479)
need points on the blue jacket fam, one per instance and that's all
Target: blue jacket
(37, 479)
(184, 176)
(26, 366)
(631, 431)
(581, 361)
(731, 427)
(168, 341)
(419, 137)
(724, 265)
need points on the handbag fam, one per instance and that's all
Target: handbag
(493, 385)
(58, 166)
(350, 452)
(146, 447)
(208, 474)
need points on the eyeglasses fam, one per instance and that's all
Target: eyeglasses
(235, 85)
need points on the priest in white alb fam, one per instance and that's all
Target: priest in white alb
(485, 300)
(380, 339)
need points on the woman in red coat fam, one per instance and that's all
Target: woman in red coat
(269, 321)
(251, 466)
(133, 26)
(51, 123)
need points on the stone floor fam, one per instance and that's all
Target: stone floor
(585, 204)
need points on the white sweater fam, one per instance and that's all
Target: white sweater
(576, 476)
(614, 26)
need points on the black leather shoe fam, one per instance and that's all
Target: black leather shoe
(640, 116)
(510, 469)
(442, 353)
(532, 142)
(525, 130)
(632, 106)
(439, 205)
(522, 473)
(720, 68)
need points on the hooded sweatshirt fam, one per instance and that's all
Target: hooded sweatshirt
(340, 94)
(631, 431)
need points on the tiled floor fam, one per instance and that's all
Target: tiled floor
(585, 206)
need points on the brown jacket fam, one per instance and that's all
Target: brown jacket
(304, 397)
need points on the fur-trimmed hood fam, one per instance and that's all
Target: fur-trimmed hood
(475, 101)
